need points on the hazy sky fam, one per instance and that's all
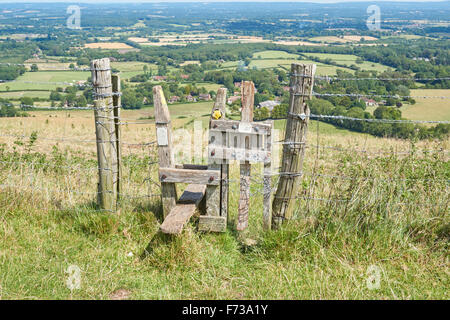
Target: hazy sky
(316, 1)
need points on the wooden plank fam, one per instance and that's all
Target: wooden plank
(188, 204)
(193, 194)
(105, 133)
(302, 83)
(212, 224)
(174, 175)
(247, 94)
(166, 157)
(191, 166)
(214, 193)
(177, 218)
(233, 126)
(222, 155)
(117, 103)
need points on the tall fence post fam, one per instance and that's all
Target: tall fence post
(248, 98)
(301, 83)
(267, 185)
(164, 139)
(217, 196)
(105, 132)
(117, 104)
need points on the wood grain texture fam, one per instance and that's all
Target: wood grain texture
(187, 206)
(166, 157)
(193, 194)
(214, 205)
(233, 125)
(212, 224)
(106, 134)
(267, 186)
(247, 94)
(301, 83)
(117, 104)
(174, 175)
(221, 101)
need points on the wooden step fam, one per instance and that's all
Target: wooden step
(186, 207)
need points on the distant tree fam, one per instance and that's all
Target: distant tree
(34, 67)
(81, 102)
(26, 101)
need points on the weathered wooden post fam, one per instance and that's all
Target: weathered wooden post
(164, 140)
(301, 83)
(117, 103)
(217, 196)
(247, 98)
(267, 184)
(105, 133)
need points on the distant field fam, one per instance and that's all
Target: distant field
(40, 78)
(349, 59)
(189, 62)
(208, 86)
(428, 109)
(274, 54)
(107, 45)
(344, 39)
(132, 66)
(20, 94)
(322, 69)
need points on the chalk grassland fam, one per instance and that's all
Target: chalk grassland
(380, 219)
(430, 108)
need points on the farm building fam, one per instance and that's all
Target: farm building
(233, 99)
(204, 96)
(370, 102)
(269, 104)
(190, 98)
(174, 99)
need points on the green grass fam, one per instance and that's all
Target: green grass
(20, 94)
(429, 108)
(324, 254)
(41, 77)
(322, 69)
(348, 59)
(274, 54)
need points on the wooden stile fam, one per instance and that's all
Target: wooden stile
(247, 94)
(301, 83)
(164, 140)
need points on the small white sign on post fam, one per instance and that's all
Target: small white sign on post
(161, 135)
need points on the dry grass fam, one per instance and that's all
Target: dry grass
(48, 221)
(429, 108)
